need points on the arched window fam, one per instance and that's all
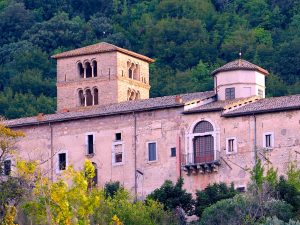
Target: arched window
(96, 96)
(89, 97)
(130, 73)
(88, 70)
(94, 68)
(203, 142)
(80, 70)
(81, 98)
(136, 73)
(138, 95)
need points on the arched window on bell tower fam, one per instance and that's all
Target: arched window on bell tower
(88, 70)
(80, 70)
(94, 66)
(81, 98)
(96, 96)
(89, 97)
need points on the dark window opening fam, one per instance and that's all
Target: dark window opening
(96, 96)
(81, 98)
(90, 147)
(7, 167)
(173, 152)
(118, 157)
(62, 161)
(241, 189)
(95, 68)
(130, 73)
(118, 137)
(231, 145)
(89, 97)
(229, 93)
(88, 70)
(268, 141)
(80, 70)
(152, 151)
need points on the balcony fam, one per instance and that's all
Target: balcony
(200, 164)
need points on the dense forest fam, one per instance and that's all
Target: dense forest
(188, 39)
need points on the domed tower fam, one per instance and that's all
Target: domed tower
(239, 79)
(100, 74)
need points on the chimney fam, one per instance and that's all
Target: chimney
(178, 99)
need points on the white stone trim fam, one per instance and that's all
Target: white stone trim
(234, 146)
(58, 171)
(113, 153)
(156, 152)
(272, 140)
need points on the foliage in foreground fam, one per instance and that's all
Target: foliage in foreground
(171, 196)
(70, 201)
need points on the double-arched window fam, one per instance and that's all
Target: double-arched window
(133, 94)
(88, 97)
(87, 69)
(133, 70)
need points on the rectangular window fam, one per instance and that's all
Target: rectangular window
(268, 140)
(117, 156)
(231, 145)
(90, 144)
(62, 161)
(7, 167)
(173, 152)
(118, 136)
(229, 93)
(152, 151)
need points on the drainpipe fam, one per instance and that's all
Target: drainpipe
(255, 141)
(135, 157)
(51, 152)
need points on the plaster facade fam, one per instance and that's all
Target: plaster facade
(166, 123)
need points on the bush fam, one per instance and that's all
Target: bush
(212, 194)
(243, 209)
(171, 196)
(276, 221)
(111, 188)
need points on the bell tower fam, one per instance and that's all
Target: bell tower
(100, 74)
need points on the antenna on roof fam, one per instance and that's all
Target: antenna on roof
(240, 53)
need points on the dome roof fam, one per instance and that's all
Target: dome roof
(240, 64)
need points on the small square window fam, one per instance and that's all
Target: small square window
(173, 152)
(229, 93)
(119, 157)
(152, 151)
(241, 189)
(118, 136)
(62, 161)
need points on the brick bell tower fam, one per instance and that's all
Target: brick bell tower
(100, 74)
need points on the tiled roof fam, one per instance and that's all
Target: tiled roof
(240, 64)
(248, 106)
(266, 105)
(100, 48)
(112, 109)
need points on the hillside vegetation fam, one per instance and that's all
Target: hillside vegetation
(188, 39)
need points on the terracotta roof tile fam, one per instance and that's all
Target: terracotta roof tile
(240, 64)
(112, 109)
(266, 105)
(100, 48)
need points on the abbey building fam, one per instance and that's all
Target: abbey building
(104, 114)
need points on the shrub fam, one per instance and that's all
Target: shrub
(171, 196)
(212, 194)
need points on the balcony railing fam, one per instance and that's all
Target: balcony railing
(201, 164)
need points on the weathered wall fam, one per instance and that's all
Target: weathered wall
(166, 127)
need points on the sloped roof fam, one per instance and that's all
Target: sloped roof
(113, 109)
(250, 106)
(100, 48)
(240, 64)
(266, 105)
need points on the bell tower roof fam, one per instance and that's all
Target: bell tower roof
(240, 64)
(101, 47)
